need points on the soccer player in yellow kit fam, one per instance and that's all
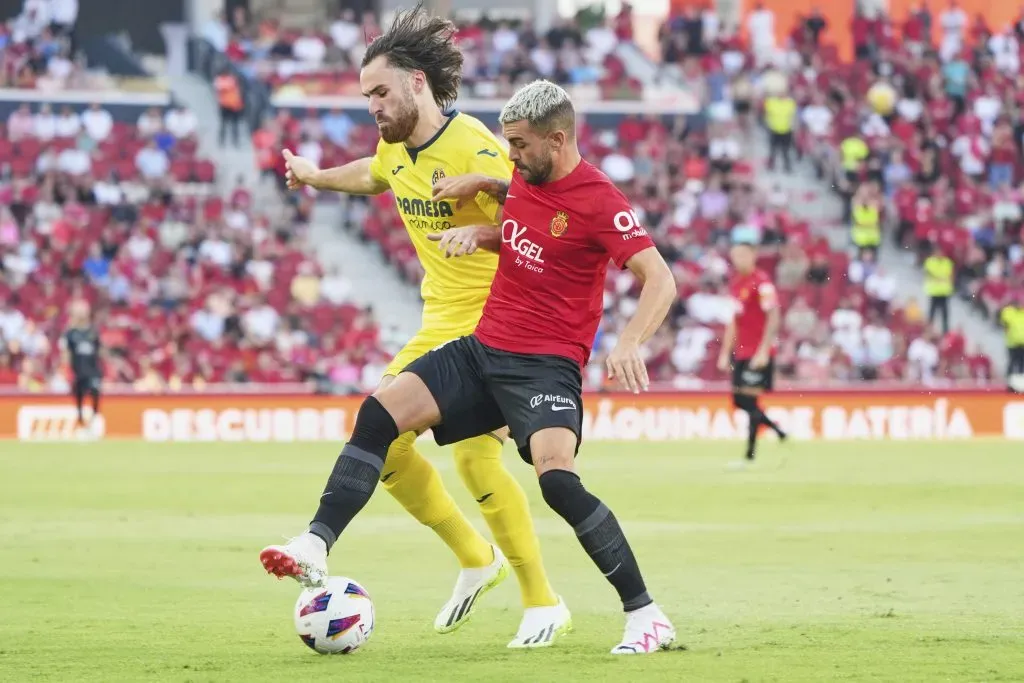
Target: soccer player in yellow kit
(411, 76)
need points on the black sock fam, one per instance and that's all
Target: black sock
(79, 401)
(95, 403)
(599, 533)
(750, 405)
(753, 426)
(356, 471)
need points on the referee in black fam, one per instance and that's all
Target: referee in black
(80, 346)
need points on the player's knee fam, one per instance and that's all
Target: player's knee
(564, 493)
(408, 402)
(375, 430)
(553, 448)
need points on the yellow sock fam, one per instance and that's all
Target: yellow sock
(507, 512)
(417, 486)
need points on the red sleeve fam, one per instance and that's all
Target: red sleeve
(617, 228)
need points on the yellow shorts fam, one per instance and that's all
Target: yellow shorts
(441, 324)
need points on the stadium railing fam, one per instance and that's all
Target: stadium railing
(123, 106)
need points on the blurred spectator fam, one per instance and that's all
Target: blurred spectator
(208, 321)
(150, 122)
(260, 324)
(98, 122)
(780, 118)
(923, 356)
(152, 162)
(800, 319)
(334, 287)
(21, 123)
(345, 31)
(881, 287)
(1012, 320)
(68, 124)
(45, 124)
(940, 274)
(181, 122)
(231, 105)
(761, 29)
(309, 49)
(306, 286)
(337, 126)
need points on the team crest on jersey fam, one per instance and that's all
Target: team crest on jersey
(438, 175)
(559, 224)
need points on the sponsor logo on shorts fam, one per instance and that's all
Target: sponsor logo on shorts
(557, 403)
(752, 376)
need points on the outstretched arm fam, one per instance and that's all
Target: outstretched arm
(354, 177)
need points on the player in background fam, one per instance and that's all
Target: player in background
(80, 349)
(522, 367)
(411, 76)
(749, 342)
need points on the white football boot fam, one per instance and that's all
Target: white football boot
(541, 625)
(647, 630)
(304, 558)
(470, 586)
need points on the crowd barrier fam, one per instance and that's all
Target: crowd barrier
(827, 415)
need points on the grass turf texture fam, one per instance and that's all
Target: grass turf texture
(848, 562)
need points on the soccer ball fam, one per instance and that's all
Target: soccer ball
(336, 618)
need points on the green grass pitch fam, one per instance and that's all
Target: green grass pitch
(830, 562)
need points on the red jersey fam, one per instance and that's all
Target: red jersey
(754, 296)
(556, 240)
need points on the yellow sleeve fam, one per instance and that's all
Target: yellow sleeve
(490, 159)
(377, 169)
(1004, 316)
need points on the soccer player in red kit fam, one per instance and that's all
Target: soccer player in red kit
(563, 221)
(749, 343)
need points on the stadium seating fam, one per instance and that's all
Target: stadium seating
(189, 287)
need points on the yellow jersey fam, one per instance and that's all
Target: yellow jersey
(452, 289)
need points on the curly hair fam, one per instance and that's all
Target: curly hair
(416, 41)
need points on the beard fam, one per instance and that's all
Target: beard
(538, 173)
(401, 126)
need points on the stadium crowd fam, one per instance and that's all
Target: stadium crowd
(193, 288)
(499, 55)
(36, 48)
(188, 287)
(921, 134)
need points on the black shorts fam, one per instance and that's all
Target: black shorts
(479, 390)
(745, 377)
(86, 384)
